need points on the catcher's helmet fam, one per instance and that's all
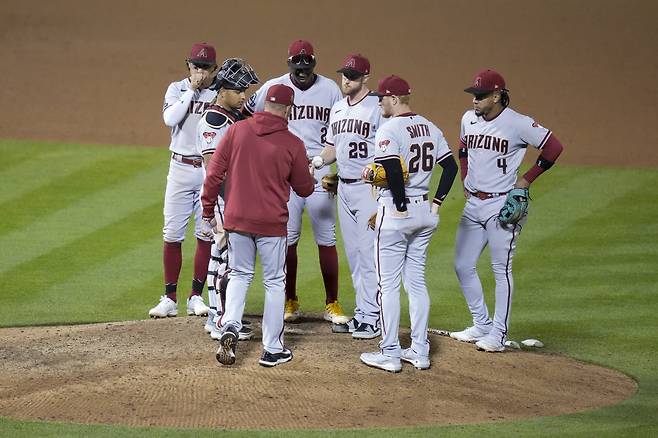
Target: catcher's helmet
(236, 74)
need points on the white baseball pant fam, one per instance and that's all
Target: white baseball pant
(401, 250)
(242, 250)
(478, 228)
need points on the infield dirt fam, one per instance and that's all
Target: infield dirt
(164, 373)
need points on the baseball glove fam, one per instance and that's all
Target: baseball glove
(330, 183)
(515, 208)
(375, 174)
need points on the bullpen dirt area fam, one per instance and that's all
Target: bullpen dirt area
(164, 373)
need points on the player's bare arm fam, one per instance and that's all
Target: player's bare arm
(326, 157)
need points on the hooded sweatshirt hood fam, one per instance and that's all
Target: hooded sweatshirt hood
(264, 123)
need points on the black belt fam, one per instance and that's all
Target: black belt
(485, 195)
(196, 162)
(349, 180)
(408, 201)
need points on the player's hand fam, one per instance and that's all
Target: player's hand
(196, 79)
(372, 221)
(434, 208)
(207, 227)
(400, 214)
(467, 194)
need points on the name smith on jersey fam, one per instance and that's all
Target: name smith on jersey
(489, 142)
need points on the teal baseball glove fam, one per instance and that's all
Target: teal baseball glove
(516, 206)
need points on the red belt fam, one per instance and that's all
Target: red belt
(196, 162)
(486, 195)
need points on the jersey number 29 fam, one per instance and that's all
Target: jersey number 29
(422, 157)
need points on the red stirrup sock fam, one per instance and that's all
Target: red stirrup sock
(329, 267)
(172, 257)
(201, 260)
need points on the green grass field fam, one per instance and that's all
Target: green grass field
(80, 241)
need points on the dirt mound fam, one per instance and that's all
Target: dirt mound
(164, 373)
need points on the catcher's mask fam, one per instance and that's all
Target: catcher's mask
(236, 74)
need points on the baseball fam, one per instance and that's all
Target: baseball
(318, 162)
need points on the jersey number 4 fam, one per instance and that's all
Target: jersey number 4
(502, 164)
(422, 157)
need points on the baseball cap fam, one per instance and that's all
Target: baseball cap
(300, 47)
(281, 94)
(202, 53)
(392, 86)
(355, 63)
(486, 81)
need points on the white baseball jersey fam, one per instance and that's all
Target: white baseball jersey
(352, 128)
(182, 111)
(496, 148)
(309, 116)
(212, 127)
(421, 145)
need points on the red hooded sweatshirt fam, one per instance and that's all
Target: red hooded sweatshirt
(260, 161)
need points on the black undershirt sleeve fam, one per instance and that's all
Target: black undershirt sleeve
(395, 180)
(448, 175)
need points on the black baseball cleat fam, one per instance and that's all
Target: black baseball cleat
(273, 359)
(227, 343)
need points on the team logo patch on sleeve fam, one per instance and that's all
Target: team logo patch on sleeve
(383, 145)
(209, 136)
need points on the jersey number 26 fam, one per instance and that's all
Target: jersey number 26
(422, 157)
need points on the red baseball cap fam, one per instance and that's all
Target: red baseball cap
(300, 47)
(202, 53)
(392, 86)
(486, 81)
(355, 63)
(281, 94)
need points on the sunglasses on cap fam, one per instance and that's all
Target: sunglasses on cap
(202, 66)
(302, 59)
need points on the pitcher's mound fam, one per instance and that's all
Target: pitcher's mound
(164, 373)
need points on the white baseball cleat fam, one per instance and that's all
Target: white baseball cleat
(166, 307)
(491, 344)
(196, 306)
(415, 359)
(210, 322)
(471, 334)
(378, 360)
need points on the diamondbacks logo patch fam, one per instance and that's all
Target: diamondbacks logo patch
(209, 136)
(383, 145)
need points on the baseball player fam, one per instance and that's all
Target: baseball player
(406, 220)
(233, 79)
(493, 141)
(261, 162)
(184, 103)
(309, 120)
(350, 142)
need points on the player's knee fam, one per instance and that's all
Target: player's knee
(173, 235)
(326, 239)
(463, 269)
(293, 237)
